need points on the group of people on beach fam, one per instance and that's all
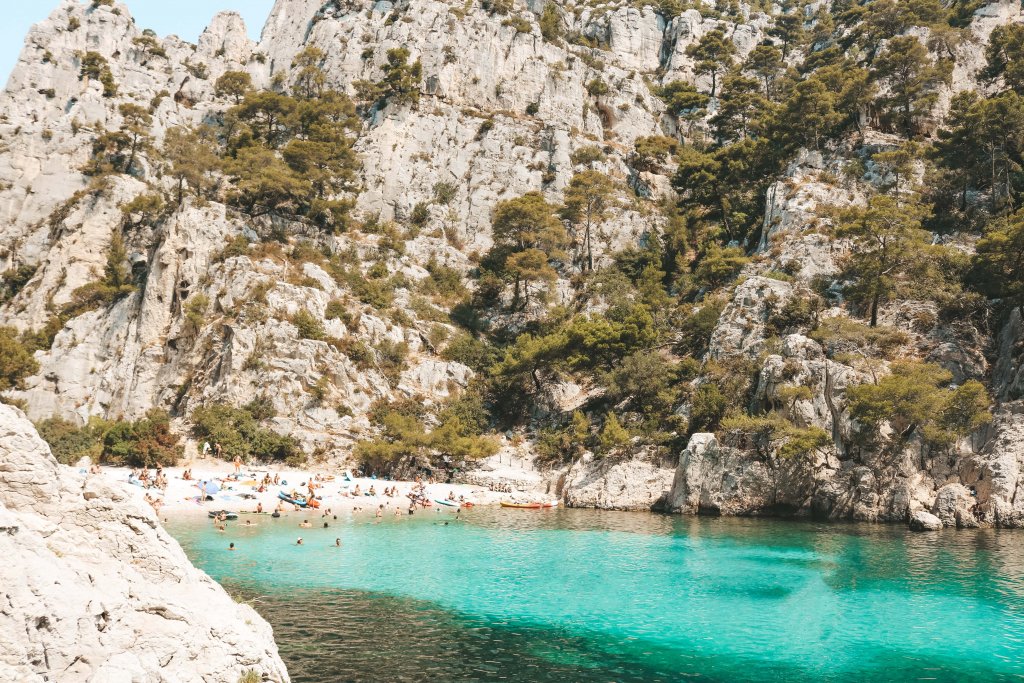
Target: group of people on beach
(141, 477)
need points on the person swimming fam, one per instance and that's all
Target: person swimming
(305, 524)
(231, 546)
(337, 543)
(299, 542)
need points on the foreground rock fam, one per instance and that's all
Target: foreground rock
(95, 590)
(925, 521)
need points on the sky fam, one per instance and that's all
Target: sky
(186, 18)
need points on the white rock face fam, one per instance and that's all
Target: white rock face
(616, 483)
(95, 590)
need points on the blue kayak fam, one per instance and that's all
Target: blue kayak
(301, 502)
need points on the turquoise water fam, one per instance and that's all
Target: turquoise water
(573, 595)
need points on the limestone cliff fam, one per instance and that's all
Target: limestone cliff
(95, 590)
(504, 108)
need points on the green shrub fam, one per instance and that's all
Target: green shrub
(916, 397)
(145, 443)
(420, 214)
(142, 443)
(404, 441)
(236, 246)
(391, 358)
(70, 442)
(239, 433)
(114, 285)
(695, 331)
(597, 87)
(798, 313)
(520, 24)
(95, 67)
(308, 325)
(707, 407)
(336, 310)
(195, 309)
(613, 435)
(587, 155)
(13, 280)
(840, 335)
(444, 193)
(551, 24)
(16, 360)
(443, 282)
(470, 351)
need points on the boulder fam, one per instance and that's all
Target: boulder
(925, 521)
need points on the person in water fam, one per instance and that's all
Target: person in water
(337, 543)
(299, 542)
(231, 546)
(305, 524)
(259, 508)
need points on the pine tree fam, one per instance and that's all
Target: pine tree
(136, 123)
(192, 161)
(527, 235)
(913, 80)
(233, 84)
(766, 62)
(588, 199)
(714, 54)
(890, 248)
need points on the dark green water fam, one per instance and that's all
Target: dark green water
(572, 595)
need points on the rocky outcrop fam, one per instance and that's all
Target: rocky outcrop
(94, 589)
(633, 483)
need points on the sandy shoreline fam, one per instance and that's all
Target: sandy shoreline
(182, 497)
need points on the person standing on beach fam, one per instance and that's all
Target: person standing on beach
(216, 449)
(206, 449)
(238, 464)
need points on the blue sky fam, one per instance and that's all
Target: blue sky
(187, 18)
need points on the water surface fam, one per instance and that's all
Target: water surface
(575, 595)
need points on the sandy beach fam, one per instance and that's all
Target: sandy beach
(242, 495)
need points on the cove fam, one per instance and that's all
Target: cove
(582, 595)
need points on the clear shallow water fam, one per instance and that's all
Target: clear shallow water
(574, 595)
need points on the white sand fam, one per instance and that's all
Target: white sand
(182, 497)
